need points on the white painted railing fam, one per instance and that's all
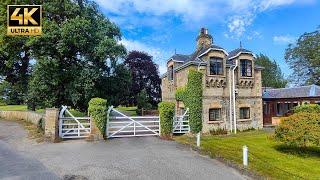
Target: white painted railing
(73, 127)
(181, 123)
(121, 125)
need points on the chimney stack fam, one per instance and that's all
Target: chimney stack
(204, 39)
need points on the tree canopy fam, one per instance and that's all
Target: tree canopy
(145, 76)
(76, 58)
(271, 74)
(303, 58)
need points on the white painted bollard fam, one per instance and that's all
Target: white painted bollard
(245, 155)
(198, 139)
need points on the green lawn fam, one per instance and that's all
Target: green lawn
(131, 111)
(24, 108)
(13, 108)
(266, 156)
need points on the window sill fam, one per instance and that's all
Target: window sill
(244, 120)
(221, 76)
(246, 77)
(215, 122)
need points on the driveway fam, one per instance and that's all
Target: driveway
(122, 158)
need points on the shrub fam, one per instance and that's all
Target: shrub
(300, 129)
(166, 111)
(98, 111)
(219, 131)
(310, 108)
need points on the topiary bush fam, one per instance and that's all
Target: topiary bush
(191, 96)
(98, 111)
(193, 100)
(300, 129)
(310, 108)
(166, 112)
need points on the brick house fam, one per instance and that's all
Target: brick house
(228, 77)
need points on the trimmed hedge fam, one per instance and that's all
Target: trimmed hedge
(98, 111)
(166, 111)
(191, 96)
(310, 108)
(300, 129)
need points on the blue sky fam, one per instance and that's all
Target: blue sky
(161, 26)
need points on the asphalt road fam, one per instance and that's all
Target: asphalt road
(122, 158)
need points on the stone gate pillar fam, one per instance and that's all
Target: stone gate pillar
(52, 125)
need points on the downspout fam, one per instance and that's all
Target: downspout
(234, 98)
(230, 99)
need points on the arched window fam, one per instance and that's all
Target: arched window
(246, 67)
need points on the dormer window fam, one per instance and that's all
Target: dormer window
(170, 73)
(216, 66)
(246, 68)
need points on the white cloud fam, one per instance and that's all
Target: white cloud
(159, 56)
(237, 15)
(284, 39)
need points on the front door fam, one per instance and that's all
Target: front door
(267, 116)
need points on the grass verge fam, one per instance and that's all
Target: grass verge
(266, 156)
(24, 108)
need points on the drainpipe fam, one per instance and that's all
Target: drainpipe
(230, 99)
(234, 98)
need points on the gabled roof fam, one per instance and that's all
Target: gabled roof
(235, 53)
(295, 92)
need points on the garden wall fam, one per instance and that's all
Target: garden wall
(29, 116)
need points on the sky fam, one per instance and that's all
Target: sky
(161, 27)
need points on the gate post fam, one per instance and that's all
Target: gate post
(52, 125)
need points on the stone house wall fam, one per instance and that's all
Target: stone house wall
(216, 94)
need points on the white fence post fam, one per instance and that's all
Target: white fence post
(198, 139)
(245, 155)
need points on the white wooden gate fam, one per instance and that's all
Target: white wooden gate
(121, 125)
(181, 123)
(73, 127)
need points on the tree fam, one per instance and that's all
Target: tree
(76, 55)
(271, 74)
(15, 56)
(145, 75)
(142, 100)
(304, 58)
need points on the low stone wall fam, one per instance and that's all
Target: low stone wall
(29, 116)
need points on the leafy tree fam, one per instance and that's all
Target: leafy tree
(271, 75)
(145, 75)
(142, 100)
(304, 58)
(76, 55)
(15, 56)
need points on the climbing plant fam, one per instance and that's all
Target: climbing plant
(191, 96)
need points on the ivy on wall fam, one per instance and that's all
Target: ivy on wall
(166, 111)
(191, 96)
(98, 111)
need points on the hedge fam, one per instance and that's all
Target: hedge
(166, 111)
(98, 111)
(191, 96)
(310, 108)
(300, 129)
